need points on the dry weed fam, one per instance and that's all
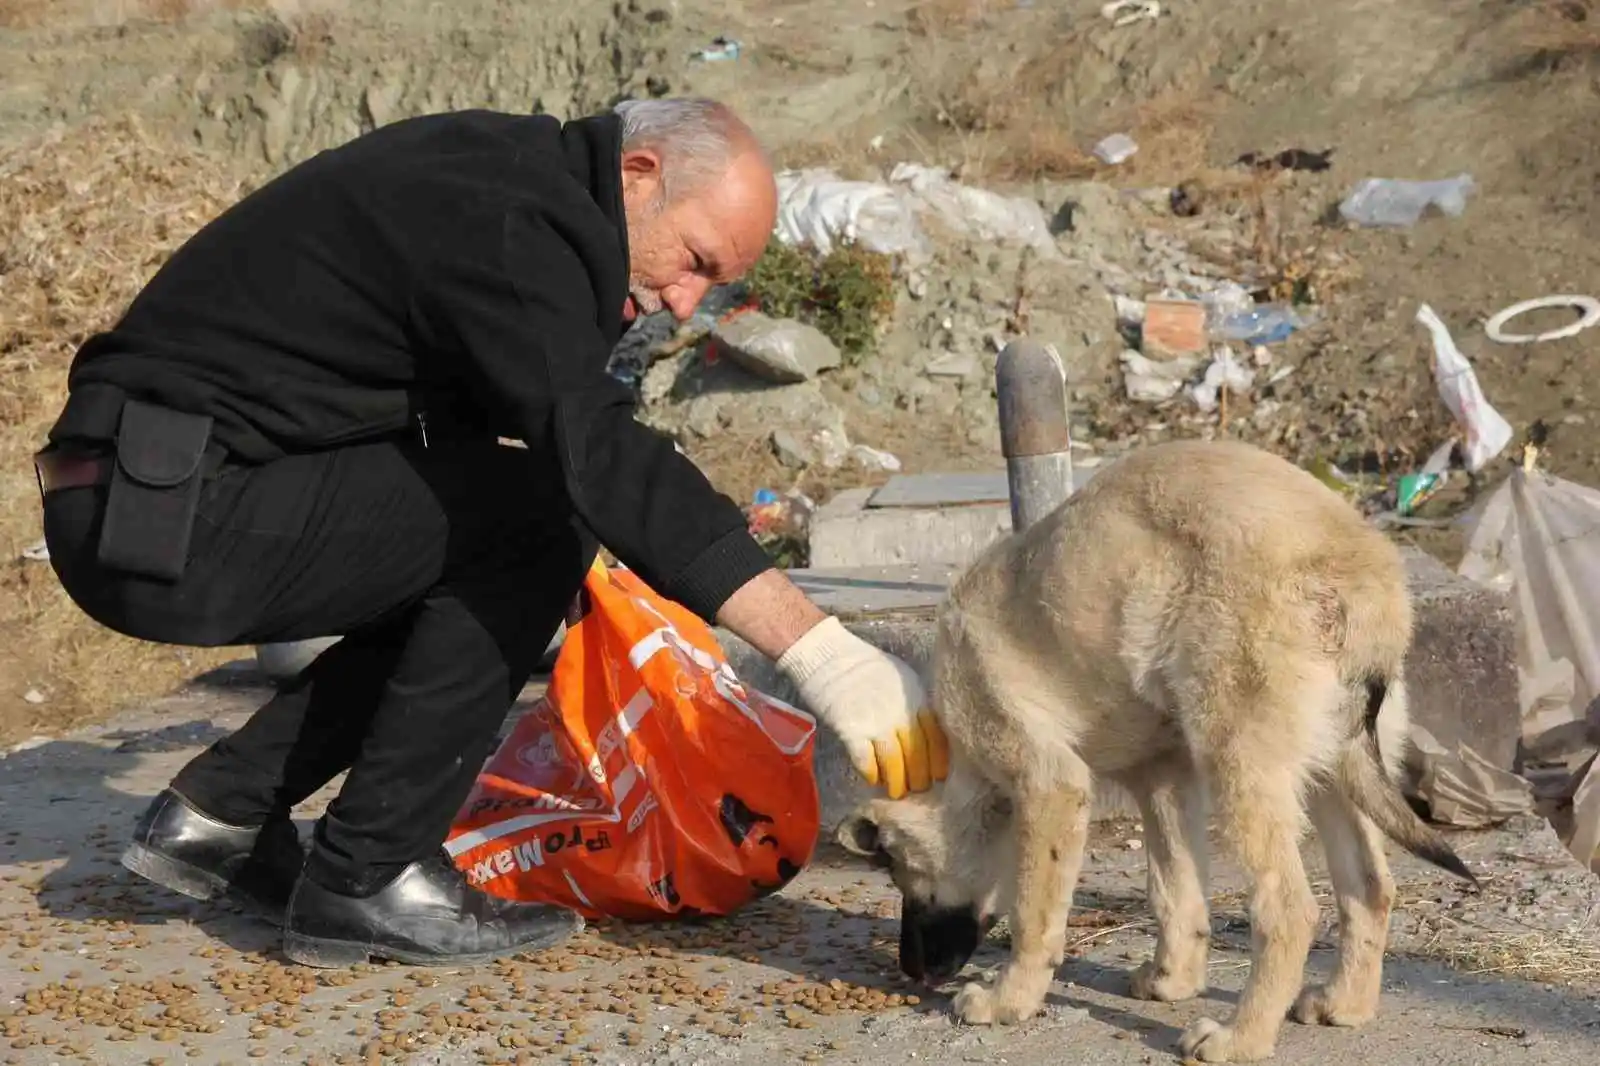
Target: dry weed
(308, 22)
(1550, 956)
(85, 218)
(1561, 28)
(996, 98)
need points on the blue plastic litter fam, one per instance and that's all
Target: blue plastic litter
(1265, 324)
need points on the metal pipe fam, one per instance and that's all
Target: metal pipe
(1035, 436)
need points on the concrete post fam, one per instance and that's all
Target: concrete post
(1034, 432)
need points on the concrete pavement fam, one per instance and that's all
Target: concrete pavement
(97, 967)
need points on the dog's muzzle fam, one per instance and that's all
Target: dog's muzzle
(936, 942)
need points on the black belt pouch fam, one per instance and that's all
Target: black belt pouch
(155, 491)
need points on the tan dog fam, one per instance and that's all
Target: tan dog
(1208, 626)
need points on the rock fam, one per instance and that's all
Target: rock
(780, 350)
(753, 412)
(874, 458)
(658, 383)
(824, 447)
(1155, 381)
(1461, 674)
(952, 365)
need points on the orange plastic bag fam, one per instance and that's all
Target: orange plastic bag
(647, 783)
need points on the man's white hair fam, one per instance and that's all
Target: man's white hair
(696, 138)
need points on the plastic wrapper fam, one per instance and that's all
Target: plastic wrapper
(818, 208)
(1400, 203)
(648, 783)
(1485, 431)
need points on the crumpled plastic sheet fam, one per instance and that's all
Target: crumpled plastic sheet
(1461, 787)
(818, 208)
(1537, 537)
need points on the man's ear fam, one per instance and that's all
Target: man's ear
(643, 182)
(641, 162)
(858, 834)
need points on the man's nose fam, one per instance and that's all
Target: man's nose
(681, 299)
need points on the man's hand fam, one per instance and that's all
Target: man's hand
(871, 700)
(874, 702)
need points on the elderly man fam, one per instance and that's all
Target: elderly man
(293, 432)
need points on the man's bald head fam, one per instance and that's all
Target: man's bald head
(700, 198)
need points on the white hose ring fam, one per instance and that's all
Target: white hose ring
(1587, 304)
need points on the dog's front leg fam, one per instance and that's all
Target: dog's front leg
(1051, 827)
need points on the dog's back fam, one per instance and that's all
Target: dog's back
(1181, 569)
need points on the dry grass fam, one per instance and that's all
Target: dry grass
(85, 218)
(993, 93)
(1559, 28)
(1550, 956)
(308, 22)
(1570, 956)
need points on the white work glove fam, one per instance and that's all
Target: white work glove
(874, 702)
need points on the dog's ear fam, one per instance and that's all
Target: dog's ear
(858, 834)
(997, 811)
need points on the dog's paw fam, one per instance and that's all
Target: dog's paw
(1003, 1004)
(974, 1005)
(1211, 1041)
(1151, 982)
(1318, 1005)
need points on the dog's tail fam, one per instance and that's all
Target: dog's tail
(1365, 780)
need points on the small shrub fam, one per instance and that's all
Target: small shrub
(848, 294)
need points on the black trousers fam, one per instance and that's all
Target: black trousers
(448, 570)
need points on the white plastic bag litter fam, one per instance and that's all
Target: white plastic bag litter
(974, 211)
(1155, 381)
(1400, 203)
(819, 208)
(1538, 538)
(1224, 372)
(1485, 432)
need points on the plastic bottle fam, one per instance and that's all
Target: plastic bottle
(1262, 324)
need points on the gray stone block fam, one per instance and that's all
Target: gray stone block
(845, 532)
(924, 519)
(1461, 670)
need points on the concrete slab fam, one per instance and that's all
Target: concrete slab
(874, 591)
(942, 490)
(98, 967)
(918, 518)
(846, 532)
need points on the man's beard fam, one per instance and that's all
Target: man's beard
(646, 301)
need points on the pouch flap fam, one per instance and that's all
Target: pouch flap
(159, 447)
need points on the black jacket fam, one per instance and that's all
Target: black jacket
(456, 271)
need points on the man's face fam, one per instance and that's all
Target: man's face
(708, 236)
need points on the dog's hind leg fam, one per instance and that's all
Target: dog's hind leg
(1051, 826)
(1364, 891)
(1259, 811)
(1172, 805)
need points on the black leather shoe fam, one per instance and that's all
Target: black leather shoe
(427, 916)
(180, 847)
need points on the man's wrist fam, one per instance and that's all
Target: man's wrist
(770, 613)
